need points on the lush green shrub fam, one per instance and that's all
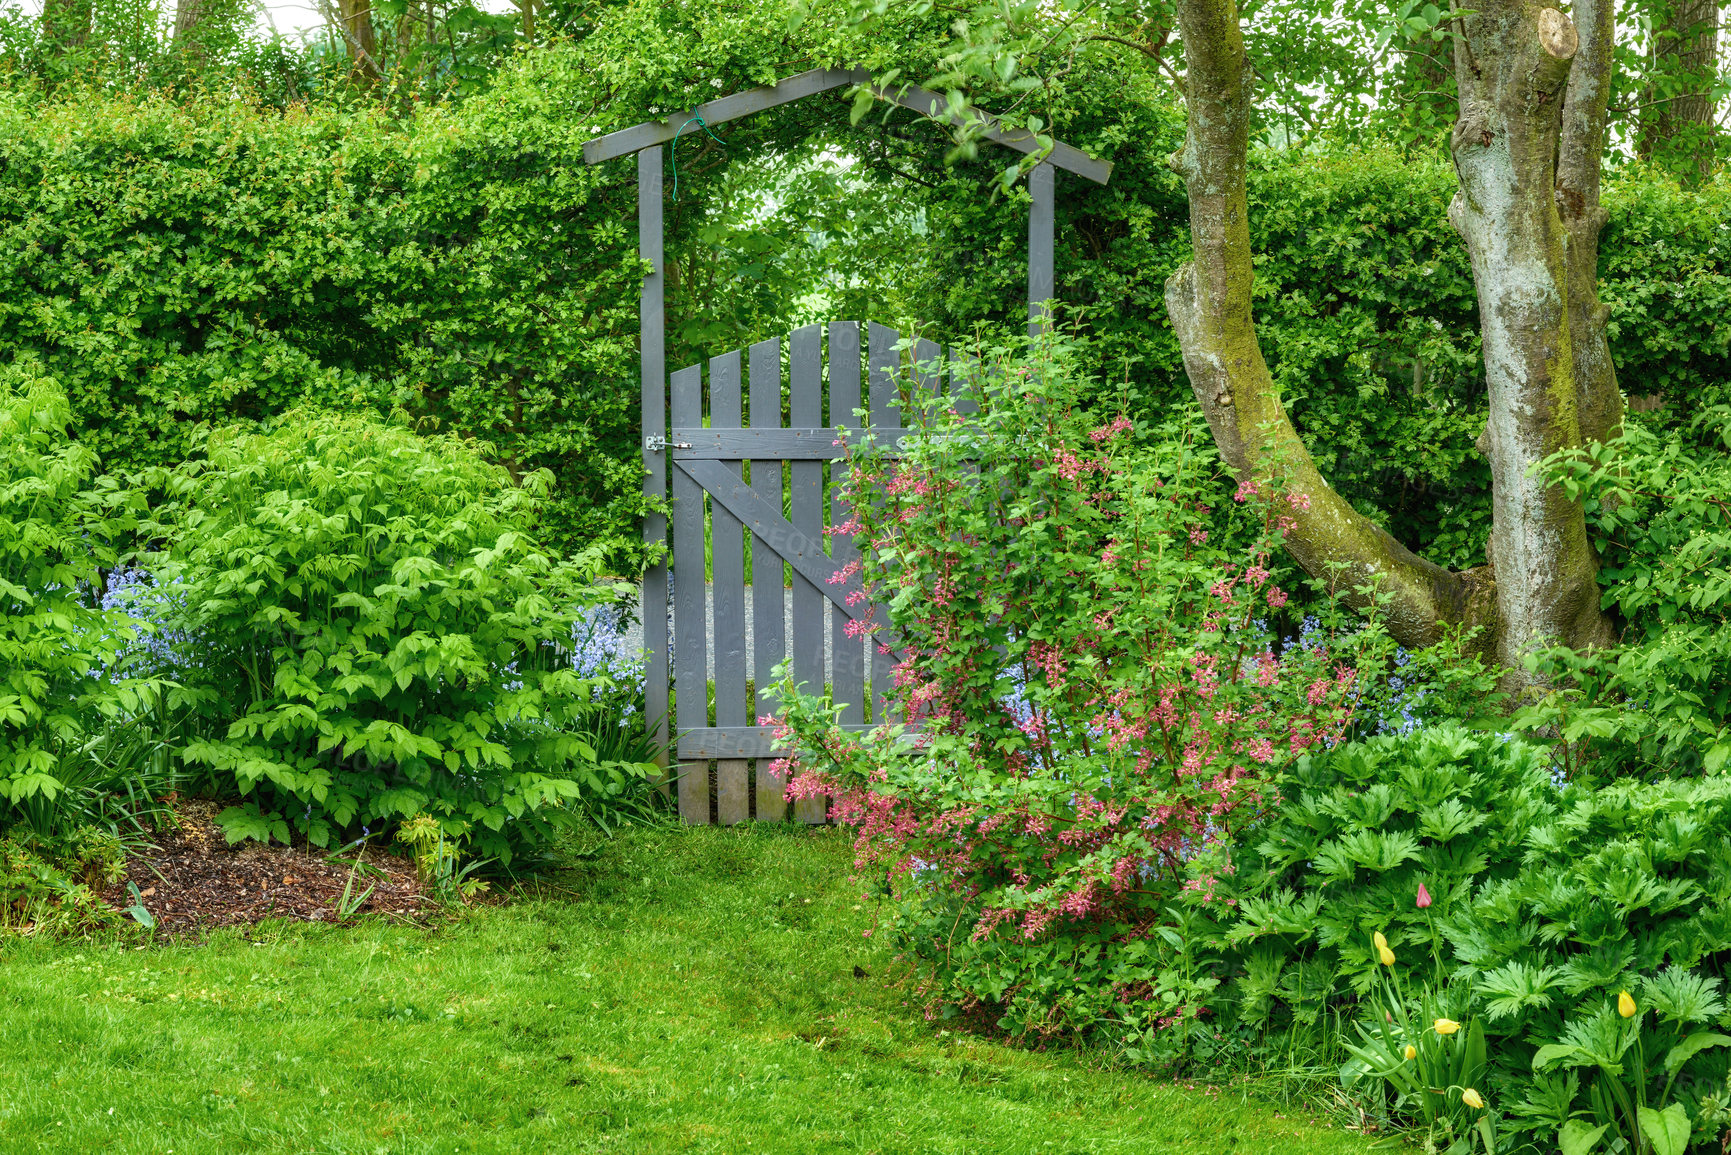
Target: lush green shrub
(1659, 702)
(61, 687)
(1358, 829)
(1542, 901)
(383, 636)
(1099, 685)
(1624, 887)
(215, 262)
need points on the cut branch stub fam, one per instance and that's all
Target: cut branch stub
(1557, 34)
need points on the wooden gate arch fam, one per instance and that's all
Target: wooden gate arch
(827, 367)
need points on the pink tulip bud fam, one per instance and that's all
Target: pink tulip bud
(1423, 896)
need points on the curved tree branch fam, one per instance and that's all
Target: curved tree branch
(1209, 301)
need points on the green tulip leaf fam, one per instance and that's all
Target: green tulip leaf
(1553, 1052)
(1576, 1138)
(1689, 1047)
(1667, 1131)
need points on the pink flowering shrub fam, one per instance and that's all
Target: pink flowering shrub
(1090, 691)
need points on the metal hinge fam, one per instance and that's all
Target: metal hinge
(655, 443)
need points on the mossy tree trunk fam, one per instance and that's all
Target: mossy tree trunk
(358, 39)
(1513, 65)
(1580, 145)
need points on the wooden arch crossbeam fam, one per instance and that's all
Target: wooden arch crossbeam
(646, 140)
(926, 103)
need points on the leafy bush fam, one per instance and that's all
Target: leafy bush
(61, 692)
(1625, 888)
(1660, 700)
(386, 637)
(1095, 684)
(1542, 903)
(1358, 829)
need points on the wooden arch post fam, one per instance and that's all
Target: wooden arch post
(645, 140)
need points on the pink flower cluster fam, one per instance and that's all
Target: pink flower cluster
(1090, 700)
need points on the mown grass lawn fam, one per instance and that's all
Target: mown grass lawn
(694, 991)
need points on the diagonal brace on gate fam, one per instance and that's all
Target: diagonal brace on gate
(799, 549)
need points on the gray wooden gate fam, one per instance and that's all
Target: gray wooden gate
(710, 461)
(780, 509)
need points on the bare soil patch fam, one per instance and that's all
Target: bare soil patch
(192, 880)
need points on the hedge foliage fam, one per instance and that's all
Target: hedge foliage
(177, 264)
(173, 261)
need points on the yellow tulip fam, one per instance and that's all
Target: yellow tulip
(1473, 1099)
(1383, 954)
(1411, 1051)
(1626, 1004)
(1447, 1026)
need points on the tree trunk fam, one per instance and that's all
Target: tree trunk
(1511, 66)
(358, 38)
(1511, 70)
(1581, 145)
(1209, 301)
(188, 15)
(1686, 45)
(66, 24)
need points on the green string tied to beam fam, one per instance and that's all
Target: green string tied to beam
(673, 152)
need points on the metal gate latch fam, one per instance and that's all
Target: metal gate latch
(655, 443)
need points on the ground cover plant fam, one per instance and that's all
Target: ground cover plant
(675, 990)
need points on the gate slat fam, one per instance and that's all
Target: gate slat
(847, 655)
(727, 553)
(691, 665)
(964, 386)
(884, 364)
(805, 363)
(928, 371)
(768, 599)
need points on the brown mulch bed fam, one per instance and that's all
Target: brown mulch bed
(191, 880)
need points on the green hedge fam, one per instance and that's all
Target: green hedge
(176, 262)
